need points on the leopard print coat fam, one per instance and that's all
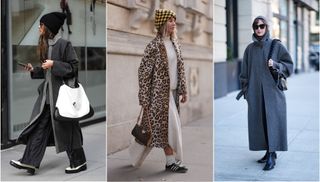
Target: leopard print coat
(154, 88)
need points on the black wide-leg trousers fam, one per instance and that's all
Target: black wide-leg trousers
(38, 140)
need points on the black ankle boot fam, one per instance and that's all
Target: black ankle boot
(271, 161)
(264, 158)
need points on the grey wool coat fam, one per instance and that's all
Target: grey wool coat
(154, 89)
(65, 136)
(266, 102)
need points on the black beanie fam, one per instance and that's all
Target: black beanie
(53, 21)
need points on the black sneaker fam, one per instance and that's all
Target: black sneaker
(77, 169)
(17, 164)
(176, 168)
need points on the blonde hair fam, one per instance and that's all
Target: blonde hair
(163, 32)
(173, 37)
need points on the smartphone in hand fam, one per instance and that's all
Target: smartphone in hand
(22, 64)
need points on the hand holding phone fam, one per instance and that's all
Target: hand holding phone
(22, 64)
(27, 66)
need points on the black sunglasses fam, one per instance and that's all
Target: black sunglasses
(261, 26)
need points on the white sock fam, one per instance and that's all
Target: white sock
(170, 159)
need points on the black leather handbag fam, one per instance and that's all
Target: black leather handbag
(282, 83)
(280, 79)
(141, 135)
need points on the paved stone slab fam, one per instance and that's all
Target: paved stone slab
(53, 165)
(197, 148)
(234, 161)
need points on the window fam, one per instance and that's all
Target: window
(280, 20)
(317, 18)
(232, 29)
(87, 37)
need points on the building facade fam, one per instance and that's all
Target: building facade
(315, 27)
(130, 28)
(19, 40)
(289, 21)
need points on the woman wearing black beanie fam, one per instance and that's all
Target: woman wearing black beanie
(58, 62)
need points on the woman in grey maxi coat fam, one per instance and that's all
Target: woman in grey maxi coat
(58, 62)
(267, 121)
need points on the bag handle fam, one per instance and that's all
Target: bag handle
(139, 116)
(149, 124)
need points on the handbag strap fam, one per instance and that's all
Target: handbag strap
(139, 119)
(75, 78)
(279, 76)
(273, 71)
(139, 116)
(273, 43)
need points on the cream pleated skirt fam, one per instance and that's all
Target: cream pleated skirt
(174, 128)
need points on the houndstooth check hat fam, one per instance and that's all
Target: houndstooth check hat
(161, 17)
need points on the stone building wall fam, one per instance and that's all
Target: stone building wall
(130, 28)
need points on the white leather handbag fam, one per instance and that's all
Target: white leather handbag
(72, 104)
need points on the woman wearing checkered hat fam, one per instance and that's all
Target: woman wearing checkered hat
(161, 85)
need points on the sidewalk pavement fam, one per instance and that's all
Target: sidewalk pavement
(234, 161)
(197, 152)
(53, 165)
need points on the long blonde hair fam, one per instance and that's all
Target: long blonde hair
(163, 31)
(173, 37)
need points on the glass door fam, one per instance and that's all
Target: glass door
(87, 35)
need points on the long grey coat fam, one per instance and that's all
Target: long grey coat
(265, 101)
(65, 135)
